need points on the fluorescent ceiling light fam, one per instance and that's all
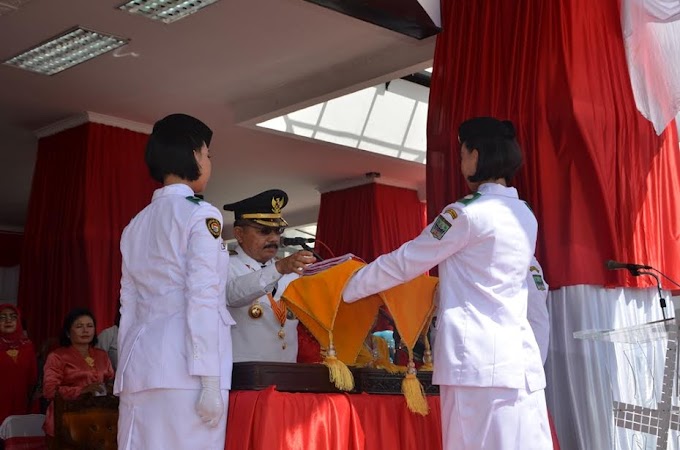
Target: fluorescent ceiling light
(167, 11)
(66, 50)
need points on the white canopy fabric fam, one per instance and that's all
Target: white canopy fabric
(651, 35)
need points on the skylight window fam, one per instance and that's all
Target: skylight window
(166, 11)
(65, 51)
(389, 119)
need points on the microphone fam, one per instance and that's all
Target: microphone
(288, 242)
(639, 269)
(614, 265)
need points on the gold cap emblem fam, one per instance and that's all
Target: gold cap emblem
(277, 204)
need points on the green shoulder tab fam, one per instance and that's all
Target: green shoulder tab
(194, 199)
(469, 198)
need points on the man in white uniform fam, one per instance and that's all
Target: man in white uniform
(174, 367)
(265, 329)
(486, 360)
(108, 341)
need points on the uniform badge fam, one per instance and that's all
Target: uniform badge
(255, 311)
(539, 282)
(469, 198)
(440, 227)
(214, 227)
(452, 213)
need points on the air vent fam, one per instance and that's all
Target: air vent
(166, 11)
(65, 50)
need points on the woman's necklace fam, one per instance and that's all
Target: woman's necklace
(89, 360)
(13, 351)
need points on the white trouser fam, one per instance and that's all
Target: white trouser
(476, 418)
(167, 419)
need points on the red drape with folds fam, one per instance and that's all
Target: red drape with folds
(602, 184)
(368, 220)
(271, 420)
(10, 248)
(89, 182)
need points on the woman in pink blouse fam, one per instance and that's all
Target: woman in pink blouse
(77, 367)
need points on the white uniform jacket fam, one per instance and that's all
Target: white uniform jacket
(537, 308)
(483, 244)
(258, 339)
(174, 325)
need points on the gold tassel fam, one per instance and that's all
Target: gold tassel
(413, 391)
(427, 355)
(338, 372)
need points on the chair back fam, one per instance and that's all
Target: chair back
(86, 423)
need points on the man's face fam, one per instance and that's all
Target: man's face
(258, 241)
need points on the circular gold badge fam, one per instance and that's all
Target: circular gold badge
(255, 311)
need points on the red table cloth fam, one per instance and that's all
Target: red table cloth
(272, 420)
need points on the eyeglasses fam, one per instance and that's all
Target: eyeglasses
(8, 318)
(266, 231)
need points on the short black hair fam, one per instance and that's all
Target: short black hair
(172, 144)
(72, 316)
(499, 153)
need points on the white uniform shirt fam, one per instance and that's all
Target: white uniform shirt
(108, 341)
(174, 325)
(537, 308)
(484, 249)
(258, 339)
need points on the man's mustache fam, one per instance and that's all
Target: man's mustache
(272, 245)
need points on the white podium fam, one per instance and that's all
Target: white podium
(643, 374)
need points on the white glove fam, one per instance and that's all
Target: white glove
(210, 406)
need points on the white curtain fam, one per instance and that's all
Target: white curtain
(584, 376)
(651, 35)
(9, 284)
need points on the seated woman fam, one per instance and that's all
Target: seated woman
(18, 368)
(77, 367)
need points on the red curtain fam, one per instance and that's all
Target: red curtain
(368, 220)
(10, 248)
(89, 182)
(602, 184)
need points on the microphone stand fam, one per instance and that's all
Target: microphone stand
(662, 300)
(310, 249)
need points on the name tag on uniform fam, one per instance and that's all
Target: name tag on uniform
(539, 282)
(440, 227)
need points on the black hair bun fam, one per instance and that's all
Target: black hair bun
(510, 129)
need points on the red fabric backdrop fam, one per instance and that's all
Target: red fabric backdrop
(368, 220)
(89, 181)
(602, 184)
(10, 248)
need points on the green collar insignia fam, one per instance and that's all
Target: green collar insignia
(469, 198)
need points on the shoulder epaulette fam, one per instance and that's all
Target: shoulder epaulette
(529, 206)
(469, 198)
(233, 253)
(194, 199)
